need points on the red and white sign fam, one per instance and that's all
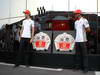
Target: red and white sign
(41, 41)
(64, 42)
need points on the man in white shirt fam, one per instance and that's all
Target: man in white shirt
(26, 35)
(81, 27)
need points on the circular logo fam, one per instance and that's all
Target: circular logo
(64, 42)
(41, 41)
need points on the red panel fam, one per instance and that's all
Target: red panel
(40, 43)
(61, 24)
(64, 45)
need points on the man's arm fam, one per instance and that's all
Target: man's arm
(88, 29)
(21, 31)
(32, 35)
(87, 26)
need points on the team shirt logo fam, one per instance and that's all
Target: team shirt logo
(64, 42)
(41, 41)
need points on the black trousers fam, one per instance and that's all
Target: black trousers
(81, 58)
(16, 45)
(24, 53)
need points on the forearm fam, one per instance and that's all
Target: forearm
(88, 29)
(32, 33)
(21, 31)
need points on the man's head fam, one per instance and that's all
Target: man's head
(27, 13)
(77, 13)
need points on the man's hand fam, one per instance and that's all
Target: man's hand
(88, 29)
(31, 40)
(19, 39)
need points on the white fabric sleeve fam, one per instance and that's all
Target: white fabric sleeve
(48, 42)
(72, 43)
(86, 23)
(56, 41)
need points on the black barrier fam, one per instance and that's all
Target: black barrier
(60, 33)
(42, 42)
(6, 39)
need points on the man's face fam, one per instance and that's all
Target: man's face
(26, 15)
(77, 16)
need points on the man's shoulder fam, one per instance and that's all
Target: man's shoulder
(84, 19)
(76, 21)
(32, 21)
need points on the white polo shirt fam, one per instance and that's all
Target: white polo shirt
(80, 26)
(27, 28)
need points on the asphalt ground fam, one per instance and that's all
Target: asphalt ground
(8, 69)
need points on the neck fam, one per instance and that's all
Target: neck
(79, 18)
(28, 17)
